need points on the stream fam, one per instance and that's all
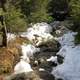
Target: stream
(51, 56)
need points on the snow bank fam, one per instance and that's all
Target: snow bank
(39, 33)
(70, 69)
(22, 66)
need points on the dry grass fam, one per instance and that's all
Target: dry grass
(9, 55)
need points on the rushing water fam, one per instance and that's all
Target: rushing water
(40, 32)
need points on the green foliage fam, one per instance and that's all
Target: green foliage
(15, 20)
(36, 11)
(59, 5)
(22, 12)
(75, 16)
(40, 11)
(75, 10)
(77, 38)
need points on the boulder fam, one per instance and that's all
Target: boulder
(38, 33)
(50, 46)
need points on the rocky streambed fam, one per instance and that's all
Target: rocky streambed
(39, 55)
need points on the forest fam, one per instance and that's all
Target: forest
(20, 13)
(38, 39)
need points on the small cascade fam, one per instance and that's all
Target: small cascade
(70, 68)
(47, 52)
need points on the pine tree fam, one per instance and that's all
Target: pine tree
(75, 9)
(36, 11)
(39, 12)
(15, 20)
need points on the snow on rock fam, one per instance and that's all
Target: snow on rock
(22, 66)
(29, 50)
(39, 33)
(70, 69)
(53, 59)
(10, 36)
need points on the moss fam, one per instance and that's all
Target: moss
(77, 38)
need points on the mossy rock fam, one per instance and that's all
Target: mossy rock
(77, 38)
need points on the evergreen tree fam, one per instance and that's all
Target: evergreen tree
(75, 9)
(15, 20)
(36, 11)
(40, 11)
(75, 17)
(59, 8)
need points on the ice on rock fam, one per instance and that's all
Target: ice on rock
(22, 66)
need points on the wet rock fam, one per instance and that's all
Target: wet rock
(51, 46)
(59, 79)
(46, 76)
(60, 59)
(37, 75)
(42, 62)
(55, 25)
(23, 76)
